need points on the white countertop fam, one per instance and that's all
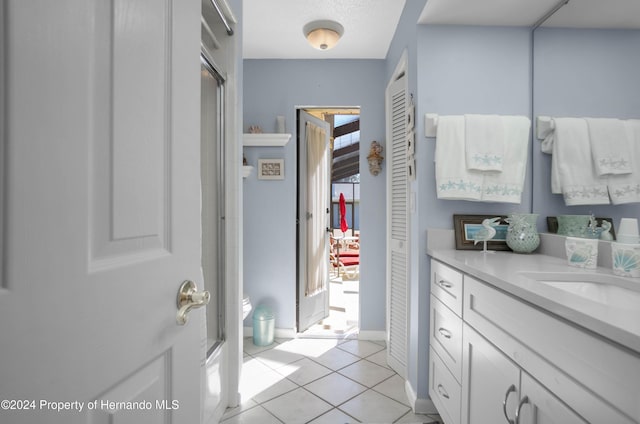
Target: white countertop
(504, 271)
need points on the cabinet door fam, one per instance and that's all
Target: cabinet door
(488, 377)
(542, 407)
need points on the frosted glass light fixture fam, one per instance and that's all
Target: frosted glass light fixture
(323, 35)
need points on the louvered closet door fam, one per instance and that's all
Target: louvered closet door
(397, 225)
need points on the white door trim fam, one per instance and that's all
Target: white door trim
(227, 61)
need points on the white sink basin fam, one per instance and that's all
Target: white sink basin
(602, 288)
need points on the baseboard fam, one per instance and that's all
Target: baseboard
(419, 406)
(290, 333)
(279, 333)
(372, 335)
(286, 333)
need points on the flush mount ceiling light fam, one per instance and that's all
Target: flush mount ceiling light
(323, 35)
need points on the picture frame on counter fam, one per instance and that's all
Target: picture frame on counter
(466, 226)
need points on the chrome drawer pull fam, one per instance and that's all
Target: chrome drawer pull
(445, 284)
(524, 401)
(442, 391)
(445, 333)
(511, 388)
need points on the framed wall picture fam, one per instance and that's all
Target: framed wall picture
(467, 226)
(271, 169)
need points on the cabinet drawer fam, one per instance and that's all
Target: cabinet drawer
(446, 285)
(595, 377)
(446, 336)
(444, 390)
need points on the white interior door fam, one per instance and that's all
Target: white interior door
(102, 211)
(313, 218)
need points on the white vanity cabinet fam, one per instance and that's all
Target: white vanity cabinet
(490, 379)
(496, 390)
(540, 406)
(504, 360)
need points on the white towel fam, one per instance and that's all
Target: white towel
(547, 147)
(453, 180)
(484, 142)
(609, 146)
(626, 188)
(506, 186)
(573, 165)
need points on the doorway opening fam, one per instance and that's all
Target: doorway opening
(340, 229)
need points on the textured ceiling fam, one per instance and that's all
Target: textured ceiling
(273, 28)
(575, 14)
(487, 12)
(623, 14)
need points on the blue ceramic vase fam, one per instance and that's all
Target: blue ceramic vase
(522, 234)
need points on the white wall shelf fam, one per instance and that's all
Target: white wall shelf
(265, 140)
(246, 170)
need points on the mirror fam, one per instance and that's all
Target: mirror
(586, 62)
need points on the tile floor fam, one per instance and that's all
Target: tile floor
(320, 381)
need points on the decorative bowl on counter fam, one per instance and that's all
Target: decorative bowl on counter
(573, 225)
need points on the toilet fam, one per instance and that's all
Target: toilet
(246, 306)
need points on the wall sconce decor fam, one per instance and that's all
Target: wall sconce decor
(375, 158)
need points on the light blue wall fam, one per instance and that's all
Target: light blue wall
(405, 41)
(452, 70)
(483, 70)
(277, 87)
(459, 70)
(583, 73)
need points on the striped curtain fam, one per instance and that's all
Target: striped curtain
(317, 204)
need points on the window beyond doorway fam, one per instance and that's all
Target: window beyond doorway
(345, 174)
(346, 148)
(351, 192)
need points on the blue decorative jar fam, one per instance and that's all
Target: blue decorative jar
(573, 225)
(522, 234)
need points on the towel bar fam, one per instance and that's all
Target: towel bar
(430, 124)
(544, 126)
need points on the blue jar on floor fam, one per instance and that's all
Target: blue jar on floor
(263, 326)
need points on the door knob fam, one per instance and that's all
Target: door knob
(189, 298)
